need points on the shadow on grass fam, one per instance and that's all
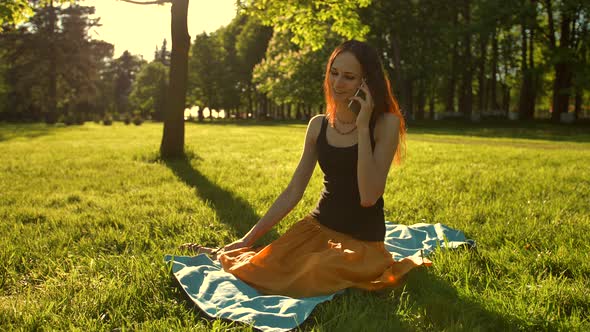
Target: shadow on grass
(231, 209)
(445, 309)
(425, 302)
(9, 131)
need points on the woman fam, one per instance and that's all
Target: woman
(340, 243)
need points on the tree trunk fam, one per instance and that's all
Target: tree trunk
(409, 90)
(405, 102)
(466, 95)
(561, 94)
(494, 83)
(483, 43)
(250, 100)
(173, 138)
(421, 101)
(533, 74)
(51, 117)
(563, 70)
(505, 98)
(526, 76)
(450, 97)
(578, 102)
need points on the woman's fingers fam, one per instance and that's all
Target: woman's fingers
(368, 97)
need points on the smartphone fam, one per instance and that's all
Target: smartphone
(354, 105)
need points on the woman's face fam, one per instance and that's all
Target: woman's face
(345, 76)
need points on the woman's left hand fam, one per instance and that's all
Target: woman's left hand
(364, 116)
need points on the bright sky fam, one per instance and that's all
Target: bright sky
(140, 28)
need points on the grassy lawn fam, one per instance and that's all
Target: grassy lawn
(87, 214)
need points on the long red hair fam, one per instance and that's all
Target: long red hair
(378, 83)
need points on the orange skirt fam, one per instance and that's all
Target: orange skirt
(311, 260)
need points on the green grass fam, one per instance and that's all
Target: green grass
(87, 214)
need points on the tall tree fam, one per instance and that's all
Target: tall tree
(565, 33)
(162, 54)
(466, 92)
(172, 145)
(205, 73)
(148, 91)
(251, 46)
(45, 79)
(125, 69)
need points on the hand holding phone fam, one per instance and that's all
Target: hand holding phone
(354, 105)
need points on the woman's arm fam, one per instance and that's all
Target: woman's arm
(289, 198)
(373, 166)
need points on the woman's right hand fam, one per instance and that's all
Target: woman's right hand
(241, 243)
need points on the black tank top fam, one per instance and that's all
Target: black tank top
(339, 207)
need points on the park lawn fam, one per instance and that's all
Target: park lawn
(88, 212)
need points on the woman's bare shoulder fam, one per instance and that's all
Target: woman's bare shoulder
(315, 126)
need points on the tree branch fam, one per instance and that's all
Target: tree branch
(155, 2)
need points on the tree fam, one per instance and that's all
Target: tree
(251, 46)
(162, 55)
(148, 91)
(172, 145)
(125, 68)
(52, 64)
(13, 12)
(205, 73)
(566, 33)
(309, 22)
(290, 75)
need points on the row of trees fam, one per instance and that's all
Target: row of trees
(479, 55)
(462, 56)
(52, 69)
(459, 57)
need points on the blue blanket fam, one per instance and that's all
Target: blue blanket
(220, 294)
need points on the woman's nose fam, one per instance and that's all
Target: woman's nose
(338, 81)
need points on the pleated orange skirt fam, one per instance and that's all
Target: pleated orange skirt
(311, 260)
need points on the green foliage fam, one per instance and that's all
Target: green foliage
(148, 91)
(31, 51)
(221, 63)
(205, 71)
(291, 75)
(125, 70)
(13, 12)
(87, 217)
(310, 21)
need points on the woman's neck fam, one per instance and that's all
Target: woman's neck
(344, 114)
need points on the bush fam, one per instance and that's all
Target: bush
(107, 120)
(127, 118)
(69, 119)
(80, 118)
(137, 120)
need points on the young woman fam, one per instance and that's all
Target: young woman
(340, 243)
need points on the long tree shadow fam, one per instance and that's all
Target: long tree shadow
(445, 308)
(231, 209)
(9, 131)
